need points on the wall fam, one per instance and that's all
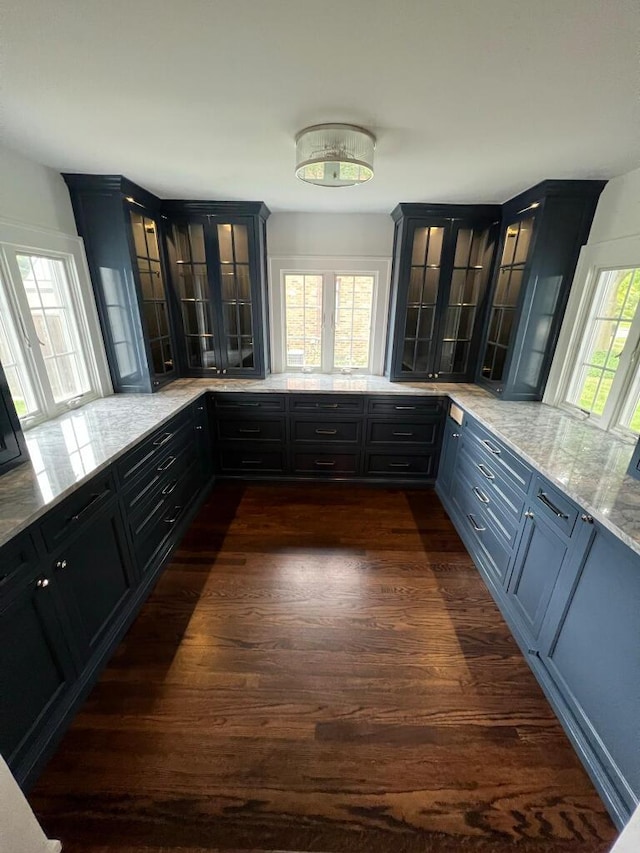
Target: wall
(33, 194)
(358, 235)
(618, 211)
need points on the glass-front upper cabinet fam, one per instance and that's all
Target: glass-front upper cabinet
(217, 261)
(442, 264)
(120, 224)
(542, 231)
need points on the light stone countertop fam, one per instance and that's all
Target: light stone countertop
(588, 464)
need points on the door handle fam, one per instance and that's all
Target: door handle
(94, 499)
(554, 509)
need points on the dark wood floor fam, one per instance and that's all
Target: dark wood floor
(319, 669)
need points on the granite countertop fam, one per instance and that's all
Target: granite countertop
(588, 464)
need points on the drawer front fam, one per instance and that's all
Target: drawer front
(166, 480)
(254, 429)
(482, 498)
(326, 464)
(17, 558)
(490, 549)
(157, 471)
(403, 432)
(337, 404)
(405, 407)
(326, 431)
(250, 461)
(514, 469)
(137, 462)
(62, 521)
(482, 471)
(398, 465)
(248, 403)
(556, 507)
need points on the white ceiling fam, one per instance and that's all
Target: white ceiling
(471, 101)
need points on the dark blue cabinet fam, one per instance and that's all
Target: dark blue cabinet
(13, 448)
(450, 444)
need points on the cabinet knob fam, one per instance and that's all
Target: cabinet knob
(42, 583)
(587, 518)
(528, 514)
(436, 375)
(61, 564)
(430, 375)
(455, 435)
(224, 371)
(198, 427)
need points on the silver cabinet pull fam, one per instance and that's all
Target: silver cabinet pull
(407, 434)
(252, 431)
(164, 438)
(490, 448)
(405, 408)
(528, 514)
(399, 464)
(170, 488)
(554, 509)
(42, 583)
(321, 464)
(480, 495)
(173, 518)
(251, 462)
(455, 435)
(327, 405)
(485, 471)
(588, 519)
(326, 432)
(475, 525)
(167, 464)
(61, 564)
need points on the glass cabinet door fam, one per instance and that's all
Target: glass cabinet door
(422, 298)
(154, 293)
(473, 253)
(191, 281)
(236, 295)
(515, 254)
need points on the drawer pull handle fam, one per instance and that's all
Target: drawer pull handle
(490, 448)
(164, 438)
(407, 434)
(327, 405)
(486, 472)
(170, 488)
(255, 431)
(321, 464)
(173, 518)
(247, 405)
(94, 499)
(398, 464)
(326, 432)
(167, 464)
(554, 509)
(480, 495)
(475, 525)
(405, 408)
(251, 462)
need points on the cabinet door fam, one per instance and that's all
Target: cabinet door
(451, 441)
(94, 578)
(35, 666)
(590, 644)
(153, 290)
(538, 562)
(12, 448)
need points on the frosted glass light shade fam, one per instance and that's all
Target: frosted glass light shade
(335, 155)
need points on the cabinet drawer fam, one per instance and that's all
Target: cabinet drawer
(255, 429)
(338, 404)
(135, 463)
(62, 521)
(165, 480)
(397, 465)
(515, 470)
(482, 471)
(555, 506)
(326, 464)
(163, 465)
(482, 498)
(405, 406)
(400, 432)
(330, 431)
(491, 551)
(233, 403)
(17, 558)
(251, 461)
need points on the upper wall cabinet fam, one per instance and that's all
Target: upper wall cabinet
(542, 231)
(217, 259)
(443, 255)
(121, 227)
(13, 448)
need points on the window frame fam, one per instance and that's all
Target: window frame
(17, 238)
(379, 268)
(623, 253)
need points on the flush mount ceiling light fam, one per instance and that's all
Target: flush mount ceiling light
(335, 155)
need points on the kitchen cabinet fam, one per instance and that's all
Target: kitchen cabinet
(541, 233)
(217, 259)
(13, 448)
(448, 457)
(121, 226)
(442, 261)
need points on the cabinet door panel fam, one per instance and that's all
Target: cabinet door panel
(450, 444)
(12, 448)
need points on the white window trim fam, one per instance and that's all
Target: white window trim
(19, 237)
(280, 265)
(623, 253)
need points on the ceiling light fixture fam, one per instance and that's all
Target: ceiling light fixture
(335, 155)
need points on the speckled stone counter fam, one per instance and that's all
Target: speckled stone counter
(587, 463)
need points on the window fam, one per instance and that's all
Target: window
(50, 346)
(331, 320)
(603, 381)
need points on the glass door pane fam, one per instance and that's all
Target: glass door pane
(236, 295)
(303, 296)
(353, 318)
(154, 294)
(422, 297)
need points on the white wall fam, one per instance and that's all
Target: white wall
(33, 194)
(618, 211)
(358, 235)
